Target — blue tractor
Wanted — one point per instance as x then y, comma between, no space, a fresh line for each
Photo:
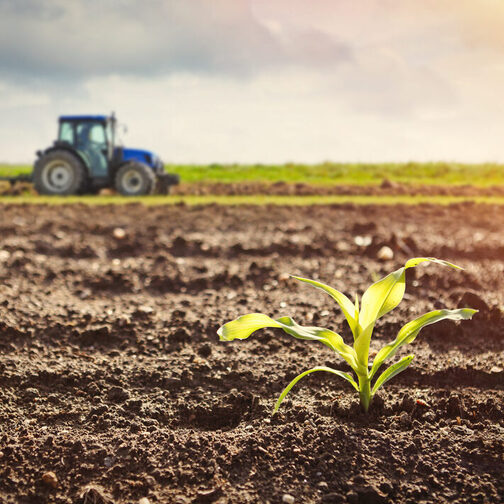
85,158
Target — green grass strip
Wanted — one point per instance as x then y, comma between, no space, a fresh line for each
346,173
482,175
249,200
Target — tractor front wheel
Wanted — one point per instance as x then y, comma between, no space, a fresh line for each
59,173
135,179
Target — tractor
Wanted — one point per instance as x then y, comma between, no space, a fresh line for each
86,158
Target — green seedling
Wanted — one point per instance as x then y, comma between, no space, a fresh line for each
379,299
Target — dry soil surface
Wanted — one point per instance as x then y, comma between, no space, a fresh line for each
386,188
114,386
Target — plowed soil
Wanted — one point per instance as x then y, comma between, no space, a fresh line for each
386,188
114,386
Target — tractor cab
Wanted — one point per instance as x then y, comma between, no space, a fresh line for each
84,158
92,137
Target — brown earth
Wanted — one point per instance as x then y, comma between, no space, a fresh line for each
114,387
386,188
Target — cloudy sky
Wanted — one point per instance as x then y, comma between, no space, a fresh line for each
260,80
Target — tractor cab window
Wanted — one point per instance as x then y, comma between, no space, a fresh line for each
91,134
66,133
97,135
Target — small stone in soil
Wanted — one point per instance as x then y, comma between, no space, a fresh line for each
363,241
145,309
385,254
144,500
288,499
50,479
119,233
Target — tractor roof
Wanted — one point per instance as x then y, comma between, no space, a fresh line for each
101,118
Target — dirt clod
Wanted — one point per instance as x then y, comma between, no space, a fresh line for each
50,479
370,495
473,300
94,495
333,498
118,394
454,408
207,496
352,497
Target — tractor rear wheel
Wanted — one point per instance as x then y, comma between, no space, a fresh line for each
135,179
59,172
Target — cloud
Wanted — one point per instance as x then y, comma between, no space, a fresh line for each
86,38
260,80
14,97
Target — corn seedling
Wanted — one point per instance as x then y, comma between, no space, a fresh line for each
380,298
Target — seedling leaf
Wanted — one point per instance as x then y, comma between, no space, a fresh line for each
410,331
411,263
286,390
385,294
382,297
391,371
244,326
347,307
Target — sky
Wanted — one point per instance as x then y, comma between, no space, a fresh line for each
260,81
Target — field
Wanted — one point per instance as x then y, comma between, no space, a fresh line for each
482,175
325,184
112,376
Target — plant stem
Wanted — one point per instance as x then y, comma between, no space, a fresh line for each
365,392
